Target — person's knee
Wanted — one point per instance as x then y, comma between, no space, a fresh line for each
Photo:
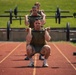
29,49
47,48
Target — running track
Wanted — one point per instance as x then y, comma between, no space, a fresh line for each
61,60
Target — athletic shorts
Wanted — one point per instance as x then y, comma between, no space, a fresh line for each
37,48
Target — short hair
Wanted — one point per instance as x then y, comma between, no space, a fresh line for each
34,7
37,19
37,3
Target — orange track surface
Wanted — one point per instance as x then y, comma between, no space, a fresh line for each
61,60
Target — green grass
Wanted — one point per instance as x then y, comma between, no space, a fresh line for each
73,43
45,5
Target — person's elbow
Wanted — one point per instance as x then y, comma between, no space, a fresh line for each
48,38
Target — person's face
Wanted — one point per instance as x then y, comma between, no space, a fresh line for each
37,25
34,10
38,6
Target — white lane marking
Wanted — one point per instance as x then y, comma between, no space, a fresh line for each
34,70
10,53
65,57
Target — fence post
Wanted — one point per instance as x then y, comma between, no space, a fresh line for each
68,32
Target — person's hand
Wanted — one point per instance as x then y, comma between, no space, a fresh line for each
48,29
28,30
26,20
29,35
26,15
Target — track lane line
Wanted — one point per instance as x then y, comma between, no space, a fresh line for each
34,70
10,53
65,56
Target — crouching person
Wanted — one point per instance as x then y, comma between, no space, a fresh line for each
37,43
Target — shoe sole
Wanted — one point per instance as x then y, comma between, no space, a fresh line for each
30,66
44,66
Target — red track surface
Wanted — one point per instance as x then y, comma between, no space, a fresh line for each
61,60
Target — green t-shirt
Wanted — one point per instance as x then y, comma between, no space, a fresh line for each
38,38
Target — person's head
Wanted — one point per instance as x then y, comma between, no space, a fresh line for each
37,24
34,10
38,5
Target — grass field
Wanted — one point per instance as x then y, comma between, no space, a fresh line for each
45,5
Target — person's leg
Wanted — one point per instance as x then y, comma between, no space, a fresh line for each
26,58
30,53
46,52
41,57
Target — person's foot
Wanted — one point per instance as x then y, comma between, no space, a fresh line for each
45,65
31,64
41,57
26,58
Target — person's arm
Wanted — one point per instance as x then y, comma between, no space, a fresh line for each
47,36
43,18
26,20
29,36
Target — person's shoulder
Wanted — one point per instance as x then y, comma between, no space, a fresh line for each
42,29
30,16
41,10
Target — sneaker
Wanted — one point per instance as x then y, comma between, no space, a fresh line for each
45,65
31,64
41,57
26,58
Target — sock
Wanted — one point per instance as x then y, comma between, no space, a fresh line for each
31,60
45,61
